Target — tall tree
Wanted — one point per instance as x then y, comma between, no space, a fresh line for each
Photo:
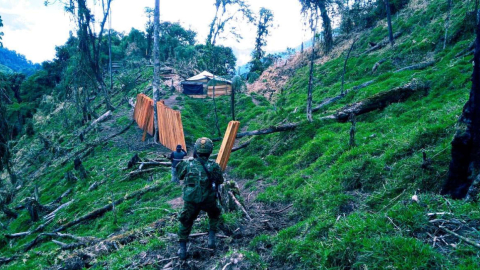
310,78
156,66
227,11
464,172
312,8
389,19
5,154
265,22
90,42
149,12
447,22
237,86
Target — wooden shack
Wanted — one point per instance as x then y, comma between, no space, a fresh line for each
201,85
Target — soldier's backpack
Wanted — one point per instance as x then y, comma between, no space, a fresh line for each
198,185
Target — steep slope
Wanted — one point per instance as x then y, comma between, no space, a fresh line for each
356,203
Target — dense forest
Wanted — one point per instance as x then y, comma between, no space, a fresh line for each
12,61
356,152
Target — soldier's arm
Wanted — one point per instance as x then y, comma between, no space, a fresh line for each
217,174
181,169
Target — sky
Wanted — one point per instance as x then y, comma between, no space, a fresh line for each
33,29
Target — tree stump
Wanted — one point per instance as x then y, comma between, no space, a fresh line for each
79,167
34,208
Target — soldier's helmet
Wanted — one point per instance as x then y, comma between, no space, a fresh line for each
204,146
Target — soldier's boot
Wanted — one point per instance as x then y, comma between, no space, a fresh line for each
211,240
182,252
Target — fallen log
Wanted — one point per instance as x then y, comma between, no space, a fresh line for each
239,205
272,129
467,240
155,163
139,172
332,100
6,260
244,145
363,85
205,234
102,118
17,235
378,101
52,214
383,43
327,102
377,65
375,102
100,211
416,66
27,233
9,213
89,253
95,185
59,199
82,153
469,50
44,236
71,246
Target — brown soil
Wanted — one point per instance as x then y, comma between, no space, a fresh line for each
276,76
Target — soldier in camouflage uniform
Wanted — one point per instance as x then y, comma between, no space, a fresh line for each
200,176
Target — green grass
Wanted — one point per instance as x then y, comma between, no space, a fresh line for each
353,205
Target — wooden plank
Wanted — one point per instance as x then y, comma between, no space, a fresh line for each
227,144
170,127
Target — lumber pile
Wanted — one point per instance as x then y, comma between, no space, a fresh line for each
170,128
227,144
143,113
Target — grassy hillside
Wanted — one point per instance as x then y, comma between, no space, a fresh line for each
352,206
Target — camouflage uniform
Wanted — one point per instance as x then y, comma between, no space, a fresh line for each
198,193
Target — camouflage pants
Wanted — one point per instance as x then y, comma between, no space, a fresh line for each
190,212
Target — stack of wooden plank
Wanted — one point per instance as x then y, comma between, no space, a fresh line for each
170,128
227,144
143,113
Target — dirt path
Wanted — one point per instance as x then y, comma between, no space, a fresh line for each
266,219
172,101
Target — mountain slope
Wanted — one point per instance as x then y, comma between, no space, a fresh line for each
317,202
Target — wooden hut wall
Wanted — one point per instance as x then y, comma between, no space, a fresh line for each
220,90
170,127
143,113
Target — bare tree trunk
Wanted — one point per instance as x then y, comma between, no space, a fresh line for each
215,107
212,25
327,27
389,19
156,66
110,49
447,23
464,171
232,103
310,82
353,129
345,65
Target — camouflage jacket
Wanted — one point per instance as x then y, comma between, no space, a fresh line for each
197,187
